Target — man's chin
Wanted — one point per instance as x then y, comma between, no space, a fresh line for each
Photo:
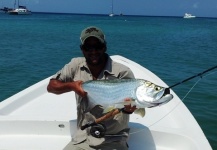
94,62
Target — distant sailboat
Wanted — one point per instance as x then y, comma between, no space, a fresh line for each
111,14
21,10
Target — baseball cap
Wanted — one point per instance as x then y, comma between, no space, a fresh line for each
94,32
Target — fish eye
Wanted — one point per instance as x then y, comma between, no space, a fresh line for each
157,88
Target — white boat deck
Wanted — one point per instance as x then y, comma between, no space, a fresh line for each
36,119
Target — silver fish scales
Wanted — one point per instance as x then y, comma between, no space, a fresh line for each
142,93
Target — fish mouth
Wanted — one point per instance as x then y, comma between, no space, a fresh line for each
166,91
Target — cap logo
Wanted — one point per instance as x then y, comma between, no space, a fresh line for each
91,30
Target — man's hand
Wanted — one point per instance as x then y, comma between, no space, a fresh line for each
78,88
128,108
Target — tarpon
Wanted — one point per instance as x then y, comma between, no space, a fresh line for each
114,93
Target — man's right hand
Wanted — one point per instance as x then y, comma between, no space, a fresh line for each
59,87
78,88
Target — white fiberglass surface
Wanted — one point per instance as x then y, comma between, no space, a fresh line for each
155,140
139,142
43,106
33,142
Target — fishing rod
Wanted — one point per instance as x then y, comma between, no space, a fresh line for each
197,75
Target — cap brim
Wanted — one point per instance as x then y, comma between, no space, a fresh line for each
99,38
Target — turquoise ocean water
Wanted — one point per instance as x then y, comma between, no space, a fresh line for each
35,47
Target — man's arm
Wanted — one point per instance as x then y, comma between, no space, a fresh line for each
58,87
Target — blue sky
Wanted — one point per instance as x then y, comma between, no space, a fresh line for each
200,8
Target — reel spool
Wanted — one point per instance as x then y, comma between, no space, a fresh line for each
98,130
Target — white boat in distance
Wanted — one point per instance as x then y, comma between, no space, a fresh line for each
36,119
188,16
111,14
21,10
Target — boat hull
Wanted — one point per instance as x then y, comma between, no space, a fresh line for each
188,16
36,119
19,12
16,13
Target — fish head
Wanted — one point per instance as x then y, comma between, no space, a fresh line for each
150,94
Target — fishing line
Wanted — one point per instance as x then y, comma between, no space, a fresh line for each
210,73
197,83
183,97
191,89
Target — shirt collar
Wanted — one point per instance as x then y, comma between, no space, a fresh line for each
108,67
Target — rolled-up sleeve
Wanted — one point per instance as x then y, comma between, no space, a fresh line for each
66,74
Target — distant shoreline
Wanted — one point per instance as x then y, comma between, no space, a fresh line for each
117,15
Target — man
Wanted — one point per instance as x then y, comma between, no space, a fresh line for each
95,65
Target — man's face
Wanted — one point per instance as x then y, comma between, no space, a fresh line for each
93,50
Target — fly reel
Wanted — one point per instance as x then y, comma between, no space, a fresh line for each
98,130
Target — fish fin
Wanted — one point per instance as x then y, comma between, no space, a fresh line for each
140,112
108,109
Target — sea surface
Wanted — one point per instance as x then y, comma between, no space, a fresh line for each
36,46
